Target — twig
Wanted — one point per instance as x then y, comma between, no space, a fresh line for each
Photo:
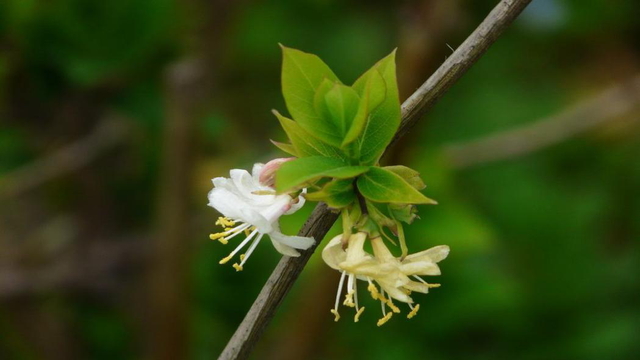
529,138
321,220
106,135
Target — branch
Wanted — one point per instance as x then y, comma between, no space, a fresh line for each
285,274
529,138
107,134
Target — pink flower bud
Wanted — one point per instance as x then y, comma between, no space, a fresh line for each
268,173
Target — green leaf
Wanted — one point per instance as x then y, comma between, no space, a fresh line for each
295,173
342,103
372,96
403,212
305,144
380,185
302,75
337,193
409,175
384,119
288,148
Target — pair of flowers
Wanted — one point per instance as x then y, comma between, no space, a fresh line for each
250,206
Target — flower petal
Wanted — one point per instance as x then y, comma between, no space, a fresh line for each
296,242
435,254
284,249
333,254
420,268
226,202
298,205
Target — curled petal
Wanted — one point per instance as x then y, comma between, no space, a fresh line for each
333,254
435,254
285,249
296,242
297,205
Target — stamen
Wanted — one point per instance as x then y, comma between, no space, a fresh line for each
234,231
426,283
237,267
335,312
348,301
245,257
235,251
357,317
335,308
373,290
385,319
414,311
225,222
392,306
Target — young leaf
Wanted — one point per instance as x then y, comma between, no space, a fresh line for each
371,97
409,175
403,212
297,172
342,103
337,193
384,119
305,144
380,185
288,148
302,75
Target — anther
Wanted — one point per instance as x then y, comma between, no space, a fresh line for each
357,317
335,312
225,260
414,311
385,319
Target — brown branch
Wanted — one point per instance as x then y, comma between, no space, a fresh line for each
589,114
106,135
321,220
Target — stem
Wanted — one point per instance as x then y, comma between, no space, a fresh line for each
283,277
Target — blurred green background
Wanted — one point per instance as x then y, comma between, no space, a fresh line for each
115,115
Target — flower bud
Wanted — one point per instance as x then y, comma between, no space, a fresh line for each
268,173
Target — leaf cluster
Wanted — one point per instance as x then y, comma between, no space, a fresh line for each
338,133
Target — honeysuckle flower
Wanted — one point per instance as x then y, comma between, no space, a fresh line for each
344,261
391,274
423,263
253,208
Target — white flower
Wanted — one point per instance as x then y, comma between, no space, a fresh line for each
253,208
384,269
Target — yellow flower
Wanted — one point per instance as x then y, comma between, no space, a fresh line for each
391,274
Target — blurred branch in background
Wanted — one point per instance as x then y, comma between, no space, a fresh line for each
109,133
283,277
186,91
587,115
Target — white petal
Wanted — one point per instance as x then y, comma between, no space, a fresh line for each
297,242
243,181
226,202
297,206
276,208
284,249
221,182
255,172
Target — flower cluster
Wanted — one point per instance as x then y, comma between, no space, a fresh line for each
337,135
251,207
388,277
